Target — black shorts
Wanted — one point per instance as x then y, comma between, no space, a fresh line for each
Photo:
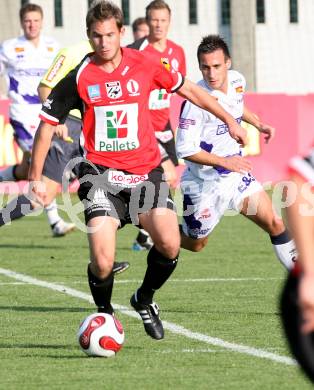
120,194
170,148
61,152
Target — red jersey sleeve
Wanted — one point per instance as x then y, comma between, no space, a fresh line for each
167,80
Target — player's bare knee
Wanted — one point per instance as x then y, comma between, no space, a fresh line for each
276,226
168,244
193,244
102,266
47,201
168,249
198,245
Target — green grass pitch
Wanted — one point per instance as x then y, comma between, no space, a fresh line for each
229,292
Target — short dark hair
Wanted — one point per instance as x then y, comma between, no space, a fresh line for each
138,22
211,43
157,4
104,10
28,7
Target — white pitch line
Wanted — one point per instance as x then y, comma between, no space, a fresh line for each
194,350
200,280
205,280
167,325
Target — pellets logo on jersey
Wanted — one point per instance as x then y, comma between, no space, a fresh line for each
239,89
117,124
57,65
114,90
19,49
163,94
159,99
116,127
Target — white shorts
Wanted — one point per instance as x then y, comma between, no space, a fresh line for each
206,201
24,119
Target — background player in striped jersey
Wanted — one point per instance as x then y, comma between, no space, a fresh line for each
217,177
25,60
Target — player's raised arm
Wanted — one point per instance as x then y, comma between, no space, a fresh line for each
61,130
231,163
41,146
254,120
43,92
201,98
62,99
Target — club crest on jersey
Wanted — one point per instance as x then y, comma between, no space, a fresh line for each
114,90
165,62
93,92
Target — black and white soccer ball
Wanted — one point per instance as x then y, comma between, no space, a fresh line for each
101,334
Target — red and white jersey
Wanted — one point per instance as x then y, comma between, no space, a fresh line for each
117,128
159,101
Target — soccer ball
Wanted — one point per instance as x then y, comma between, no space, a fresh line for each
101,334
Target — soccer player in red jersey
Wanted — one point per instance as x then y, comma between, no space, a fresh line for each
162,50
121,166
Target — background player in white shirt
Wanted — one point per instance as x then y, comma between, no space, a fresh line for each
25,60
217,177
